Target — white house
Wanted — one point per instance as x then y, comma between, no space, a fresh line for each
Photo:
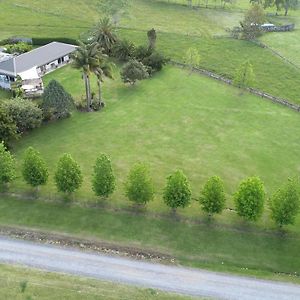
31,66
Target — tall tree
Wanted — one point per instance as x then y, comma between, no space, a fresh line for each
177,192
212,198
104,181
152,39
139,186
34,168
103,69
87,59
68,177
8,128
104,35
249,199
253,19
244,75
7,165
284,204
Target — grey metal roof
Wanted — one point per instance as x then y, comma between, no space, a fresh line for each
35,58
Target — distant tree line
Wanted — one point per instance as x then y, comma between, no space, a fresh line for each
249,199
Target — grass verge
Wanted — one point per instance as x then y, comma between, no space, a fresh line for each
45,286
212,246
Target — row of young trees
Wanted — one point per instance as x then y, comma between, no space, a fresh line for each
249,199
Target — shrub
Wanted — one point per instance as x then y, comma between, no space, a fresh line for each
26,114
18,48
142,52
34,169
139,186
68,177
133,71
8,128
123,50
249,199
104,181
155,61
177,192
212,198
57,103
284,204
7,165
40,41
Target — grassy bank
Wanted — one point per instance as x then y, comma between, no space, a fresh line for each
46,286
242,249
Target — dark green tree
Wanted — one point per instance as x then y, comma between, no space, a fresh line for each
177,192
68,177
104,181
139,186
133,71
7,165
212,198
284,204
151,39
249,199
8,128
57,103
34,169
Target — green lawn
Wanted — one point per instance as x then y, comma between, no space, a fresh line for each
242,249
173,120
179,29
51,286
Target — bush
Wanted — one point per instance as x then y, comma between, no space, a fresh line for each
104,181
142,52
139,186
284,204
68,177
177,192
155,61
18,48
57,103
212,198
26,114
34,169
41,41
8,128
123,50
249,199
7,165
133,71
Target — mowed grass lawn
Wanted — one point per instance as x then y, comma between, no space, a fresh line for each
47,286
179,28
172,121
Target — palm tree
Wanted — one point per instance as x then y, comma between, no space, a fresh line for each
104,69
87,58
104,35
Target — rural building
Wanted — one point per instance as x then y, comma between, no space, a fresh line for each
31,66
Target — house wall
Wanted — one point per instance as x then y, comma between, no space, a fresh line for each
5,82
53,65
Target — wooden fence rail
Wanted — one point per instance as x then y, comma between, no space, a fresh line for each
250,90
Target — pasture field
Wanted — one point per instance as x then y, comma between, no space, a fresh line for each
45,286
179,28
174,120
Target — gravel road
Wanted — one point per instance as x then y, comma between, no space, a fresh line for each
144,274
